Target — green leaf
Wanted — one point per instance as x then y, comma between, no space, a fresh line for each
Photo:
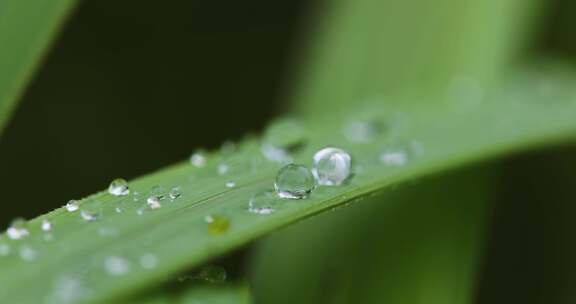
521,116
229,293
416,244
26,29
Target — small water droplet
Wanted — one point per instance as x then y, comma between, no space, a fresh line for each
116,266
223,168
136,196
17,229
174,193
263,202
230,184
294,182
72,206
119,187
67,290
360,131
275,154
28,254
119,209
140,211
154,202
213,274
4,249
148,261
46,225
393,157
198,159
89,214
332,166
217,224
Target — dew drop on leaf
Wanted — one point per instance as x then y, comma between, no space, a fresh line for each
119,187
174,193
332,166
198,159
28,253
72,206
294,182
46,225
17,229
154,202
116,266
263,202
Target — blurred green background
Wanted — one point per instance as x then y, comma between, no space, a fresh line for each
117,56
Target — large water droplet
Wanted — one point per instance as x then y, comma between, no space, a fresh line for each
332,166
294,182
116,266
72,206
198,159
217,224
213,274
17,229
119,187
263,202
46,225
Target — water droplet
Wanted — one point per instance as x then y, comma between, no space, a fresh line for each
217,224
67,290
263,202
136,196
119,187
140,211
119,209
17,229
28,254
275,154
46,225
72,206
394,157
223,168
4,249
285,133
294,182
154,202
89,214
213,274
332,166
360,131
198,159
174,193
230,184
116,266
148,261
